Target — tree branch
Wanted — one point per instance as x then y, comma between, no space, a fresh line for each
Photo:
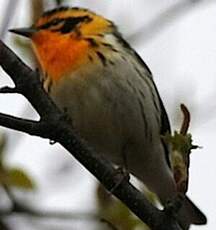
24,125
54,125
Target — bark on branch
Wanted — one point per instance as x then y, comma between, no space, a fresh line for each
55,126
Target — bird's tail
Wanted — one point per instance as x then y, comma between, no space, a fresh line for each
190,214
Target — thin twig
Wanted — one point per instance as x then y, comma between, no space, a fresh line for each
186,120
7,89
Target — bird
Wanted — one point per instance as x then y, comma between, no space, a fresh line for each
93,75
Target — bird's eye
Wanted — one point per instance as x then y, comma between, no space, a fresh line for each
55,21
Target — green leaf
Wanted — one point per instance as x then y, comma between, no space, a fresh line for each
117,213
20,179
181,143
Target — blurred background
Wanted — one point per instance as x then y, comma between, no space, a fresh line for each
176,38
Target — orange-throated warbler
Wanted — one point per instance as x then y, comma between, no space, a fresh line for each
90,71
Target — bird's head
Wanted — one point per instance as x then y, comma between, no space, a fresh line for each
64,38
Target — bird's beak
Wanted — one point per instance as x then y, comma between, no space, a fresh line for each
26,32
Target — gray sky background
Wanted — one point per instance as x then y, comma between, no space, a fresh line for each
180,50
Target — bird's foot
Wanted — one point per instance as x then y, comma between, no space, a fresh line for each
122,175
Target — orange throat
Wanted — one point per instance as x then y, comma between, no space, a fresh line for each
59,54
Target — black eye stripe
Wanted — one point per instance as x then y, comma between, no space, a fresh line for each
71,23
68,24
48,25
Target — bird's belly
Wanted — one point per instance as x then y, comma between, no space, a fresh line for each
112,117
104,113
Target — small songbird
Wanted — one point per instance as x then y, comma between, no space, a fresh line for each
108,91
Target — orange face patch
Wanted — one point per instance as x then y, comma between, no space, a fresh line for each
59,54
63,41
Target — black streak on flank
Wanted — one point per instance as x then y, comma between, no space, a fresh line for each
109,46
102,58
90,58
142,109
128,47
111,62
92,42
